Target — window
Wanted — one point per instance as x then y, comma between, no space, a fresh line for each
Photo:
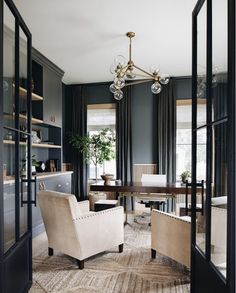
184,138
100,116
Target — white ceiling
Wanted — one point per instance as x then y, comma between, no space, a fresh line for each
83,37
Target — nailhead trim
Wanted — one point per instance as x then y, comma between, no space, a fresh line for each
171,216
111,210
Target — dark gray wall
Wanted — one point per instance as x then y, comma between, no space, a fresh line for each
144,124
144,118
98,94
183,88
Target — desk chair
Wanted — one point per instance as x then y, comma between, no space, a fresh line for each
155,199
184,208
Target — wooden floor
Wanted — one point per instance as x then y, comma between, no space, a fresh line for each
132,271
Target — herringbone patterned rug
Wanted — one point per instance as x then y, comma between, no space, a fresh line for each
132,271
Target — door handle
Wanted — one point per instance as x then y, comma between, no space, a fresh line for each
22,191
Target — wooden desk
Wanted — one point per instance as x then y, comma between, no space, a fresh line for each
145,190
139,187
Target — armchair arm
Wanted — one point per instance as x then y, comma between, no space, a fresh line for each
100,231
83,206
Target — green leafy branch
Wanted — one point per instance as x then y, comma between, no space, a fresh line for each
96,148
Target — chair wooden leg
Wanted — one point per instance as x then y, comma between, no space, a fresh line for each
153,253
121,248
50,251
80,264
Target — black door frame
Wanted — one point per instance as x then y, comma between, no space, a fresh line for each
201,267
9,259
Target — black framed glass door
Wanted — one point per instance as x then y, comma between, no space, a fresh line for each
212,253
15,167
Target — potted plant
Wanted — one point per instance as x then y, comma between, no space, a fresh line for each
96,148
34,164
185,176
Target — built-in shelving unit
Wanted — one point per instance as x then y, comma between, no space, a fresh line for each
35,97
24,118
36,145
23,94
34,120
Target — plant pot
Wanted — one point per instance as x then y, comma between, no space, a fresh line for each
33,170
107,178
184,179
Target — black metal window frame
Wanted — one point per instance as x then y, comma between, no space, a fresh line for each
230,120
19,24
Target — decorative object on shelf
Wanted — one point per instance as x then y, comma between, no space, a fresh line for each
67,167
36,136
41,167
23,136
9,136
96,148
107,178
4,171
124,70
185,176
34,164
53,165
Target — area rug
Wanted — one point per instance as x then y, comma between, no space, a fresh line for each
132,271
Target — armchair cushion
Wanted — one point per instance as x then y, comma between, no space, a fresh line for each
83,207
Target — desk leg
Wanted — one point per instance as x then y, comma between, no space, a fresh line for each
132,201
126,210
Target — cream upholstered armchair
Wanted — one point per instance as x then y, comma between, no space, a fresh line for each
171,236
75,231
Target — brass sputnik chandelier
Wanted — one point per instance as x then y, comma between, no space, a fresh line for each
127,71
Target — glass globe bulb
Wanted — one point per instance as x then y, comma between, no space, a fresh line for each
156,88
119,82
165,78
120,61
118,95
130,74
112,88
113,68
154,69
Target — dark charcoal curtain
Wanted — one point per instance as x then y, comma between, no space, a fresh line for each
124,137
219,94
166,128
78,116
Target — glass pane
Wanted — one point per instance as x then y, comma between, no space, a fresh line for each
8,72
9,194
23,82
219,57
9,136
23,127
100,117
201,175
219,198
201,67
